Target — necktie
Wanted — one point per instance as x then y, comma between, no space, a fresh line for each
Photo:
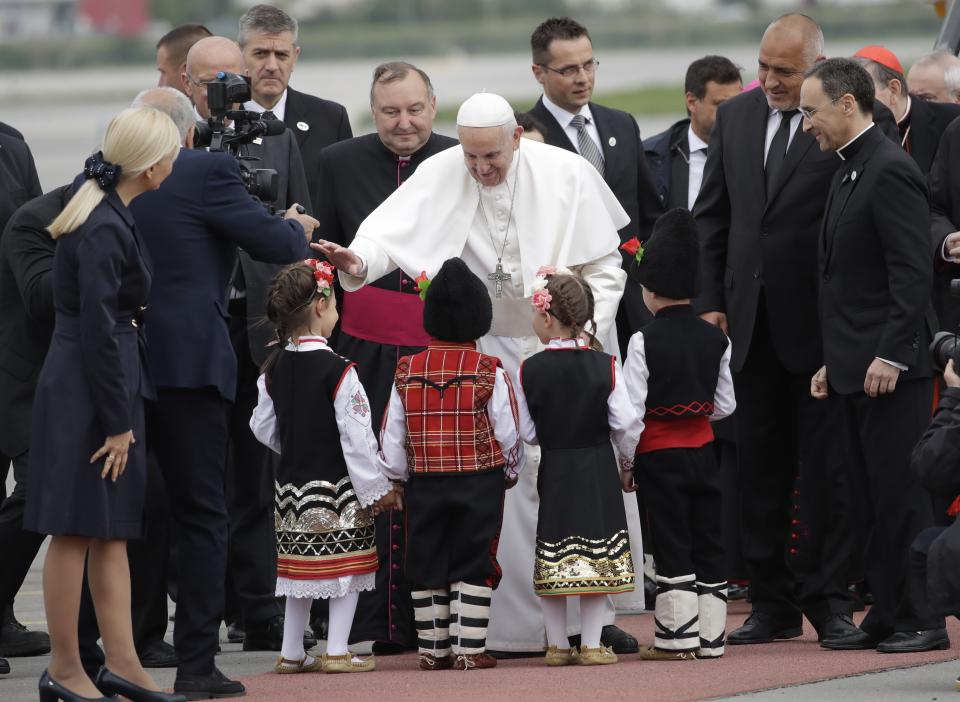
778,147
588,149
268,114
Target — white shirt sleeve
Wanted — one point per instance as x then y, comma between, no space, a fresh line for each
359,444
724,402
607,280
636,375
375,263
393,436
503,413
528,430
625,425
263,421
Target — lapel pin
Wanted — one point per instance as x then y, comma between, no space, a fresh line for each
612,141
303,126
853,175
258,141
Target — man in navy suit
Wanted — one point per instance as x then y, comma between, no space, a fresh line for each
193,226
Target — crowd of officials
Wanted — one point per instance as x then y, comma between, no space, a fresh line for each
827,203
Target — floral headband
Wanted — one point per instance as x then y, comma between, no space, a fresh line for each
541,297
323,274
633,248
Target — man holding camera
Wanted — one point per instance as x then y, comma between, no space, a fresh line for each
193,226
874,291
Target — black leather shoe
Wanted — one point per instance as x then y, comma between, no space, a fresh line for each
762,627
4,666
620,641
736,592
111,684
159,654
836,626
16,640
264,637
915,641
214,685
857,640
235,633
52,691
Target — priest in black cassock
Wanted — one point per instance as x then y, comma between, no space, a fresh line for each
384,320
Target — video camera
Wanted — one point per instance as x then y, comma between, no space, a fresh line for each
946,345
226,90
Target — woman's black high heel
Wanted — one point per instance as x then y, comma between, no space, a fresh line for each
51,691
112,684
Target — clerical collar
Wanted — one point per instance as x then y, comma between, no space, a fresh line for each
279,110
563,116
853,146
906,114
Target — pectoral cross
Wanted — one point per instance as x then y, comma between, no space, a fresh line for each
499,276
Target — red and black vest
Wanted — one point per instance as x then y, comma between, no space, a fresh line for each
445,391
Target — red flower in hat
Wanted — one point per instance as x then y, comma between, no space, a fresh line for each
633,247
422,282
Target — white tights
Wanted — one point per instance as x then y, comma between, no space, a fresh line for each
592,610
297,614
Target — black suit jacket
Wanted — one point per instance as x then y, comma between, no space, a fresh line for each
627,174
751,242
944,183
193,225
927,122
282,154
18,176
26,312
875,274
326,123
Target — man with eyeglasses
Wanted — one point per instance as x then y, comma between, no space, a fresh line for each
565,66
874,282
759,211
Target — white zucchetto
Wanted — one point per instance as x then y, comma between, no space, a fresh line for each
484,110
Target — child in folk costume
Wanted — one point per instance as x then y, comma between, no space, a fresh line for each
572,403
451,432
678,374
313,411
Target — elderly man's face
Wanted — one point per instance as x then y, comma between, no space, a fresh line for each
927,83
403,113
203,71
488,152
270,59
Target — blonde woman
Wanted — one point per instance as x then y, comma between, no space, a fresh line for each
87,467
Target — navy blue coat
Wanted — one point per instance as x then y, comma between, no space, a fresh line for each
93,383
193,225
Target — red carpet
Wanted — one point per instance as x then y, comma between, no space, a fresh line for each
742,669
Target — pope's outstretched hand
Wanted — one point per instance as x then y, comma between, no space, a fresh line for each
341,257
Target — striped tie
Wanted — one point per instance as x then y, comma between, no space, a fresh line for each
588,149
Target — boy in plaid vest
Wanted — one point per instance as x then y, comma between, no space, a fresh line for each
451,432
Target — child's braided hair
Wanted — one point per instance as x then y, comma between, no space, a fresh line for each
572,304
288,305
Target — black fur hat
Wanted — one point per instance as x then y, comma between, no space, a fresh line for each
457,306
670,265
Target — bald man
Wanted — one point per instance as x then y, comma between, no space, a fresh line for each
759,210
252,609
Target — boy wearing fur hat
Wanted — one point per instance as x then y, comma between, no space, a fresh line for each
677,373
451,432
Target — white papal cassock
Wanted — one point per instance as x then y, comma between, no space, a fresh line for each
563,215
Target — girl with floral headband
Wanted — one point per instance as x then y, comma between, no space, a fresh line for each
572,403
314,412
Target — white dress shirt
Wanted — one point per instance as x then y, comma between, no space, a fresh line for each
564,119
698,159
279,110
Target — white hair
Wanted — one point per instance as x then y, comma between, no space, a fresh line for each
172,103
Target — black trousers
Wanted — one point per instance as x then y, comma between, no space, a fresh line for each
19,547
252,560
190,433
879,436
684,507
795,537
453,529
